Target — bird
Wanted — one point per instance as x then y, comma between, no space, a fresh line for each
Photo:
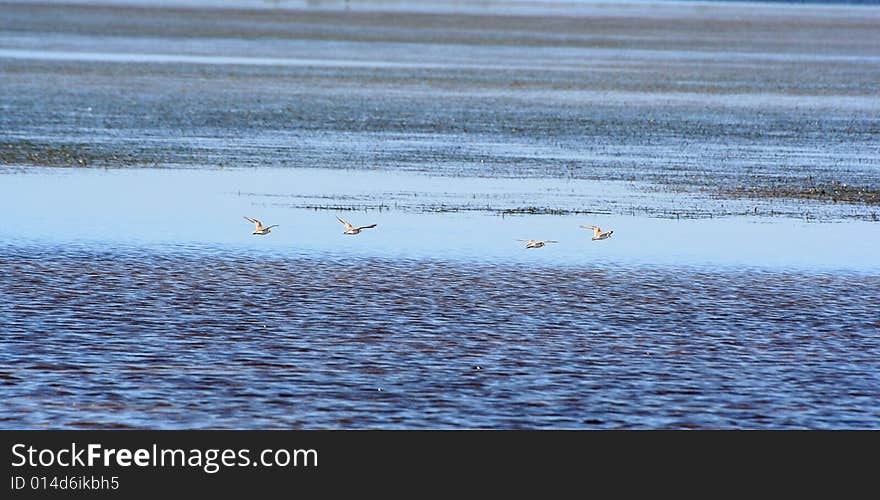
537,243
349,229
259,229
599,234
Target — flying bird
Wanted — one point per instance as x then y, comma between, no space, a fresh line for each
599,234
537,243
259,229
349,229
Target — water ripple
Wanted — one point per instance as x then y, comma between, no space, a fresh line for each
120,337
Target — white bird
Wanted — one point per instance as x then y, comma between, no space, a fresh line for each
599,234
259,229
537,243
349,229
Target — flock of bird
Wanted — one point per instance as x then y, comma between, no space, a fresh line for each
260,229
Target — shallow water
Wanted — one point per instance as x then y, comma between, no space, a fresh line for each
139,298
693,98
133,294
418,216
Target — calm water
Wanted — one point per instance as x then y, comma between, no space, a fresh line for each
133,294
418,216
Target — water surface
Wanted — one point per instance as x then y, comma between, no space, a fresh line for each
135,137
214,338
418,216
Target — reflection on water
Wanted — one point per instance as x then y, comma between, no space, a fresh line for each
418,216
205,337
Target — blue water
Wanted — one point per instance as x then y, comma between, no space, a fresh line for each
133,294
418,216
202,337
139,298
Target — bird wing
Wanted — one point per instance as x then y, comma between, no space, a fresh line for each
344,222
366,227
256,223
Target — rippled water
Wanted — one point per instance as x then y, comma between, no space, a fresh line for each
134,138
208,337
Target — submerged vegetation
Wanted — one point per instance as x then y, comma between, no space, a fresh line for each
833,192
55,154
